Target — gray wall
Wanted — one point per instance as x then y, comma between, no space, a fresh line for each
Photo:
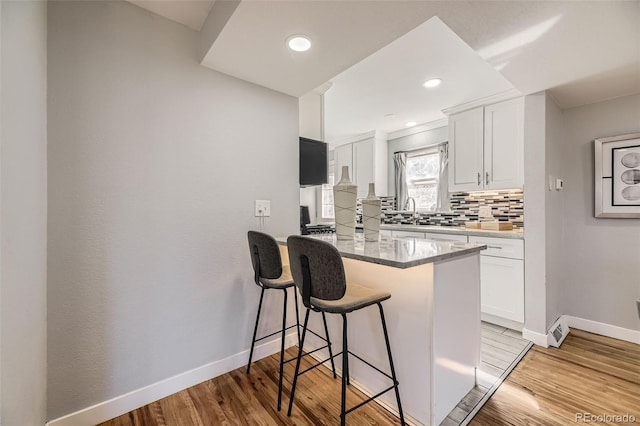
535,216
407,143
23,213
601,257
154,166
554,210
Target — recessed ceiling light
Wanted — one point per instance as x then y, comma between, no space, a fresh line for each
434,82
410,123
299,43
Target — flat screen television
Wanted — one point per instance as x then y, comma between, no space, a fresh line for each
313,162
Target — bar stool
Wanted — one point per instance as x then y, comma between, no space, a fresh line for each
318,271
269,273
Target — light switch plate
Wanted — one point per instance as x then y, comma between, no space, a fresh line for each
263,208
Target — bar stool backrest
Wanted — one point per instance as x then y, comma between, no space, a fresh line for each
317,269
265,256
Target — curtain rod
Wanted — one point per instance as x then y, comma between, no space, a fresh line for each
424,147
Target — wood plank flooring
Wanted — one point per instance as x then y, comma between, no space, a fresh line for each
589,373
499,350
236,398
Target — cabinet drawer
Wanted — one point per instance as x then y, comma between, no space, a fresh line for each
500,247
404,234
445,237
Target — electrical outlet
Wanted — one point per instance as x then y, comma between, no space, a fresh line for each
263,208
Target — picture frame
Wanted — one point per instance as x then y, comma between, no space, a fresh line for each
617,176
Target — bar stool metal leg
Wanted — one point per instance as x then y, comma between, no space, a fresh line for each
345,370
326,333
284,329
295,294
393,370
295,376
255,330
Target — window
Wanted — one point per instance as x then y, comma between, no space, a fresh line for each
327,192
423,173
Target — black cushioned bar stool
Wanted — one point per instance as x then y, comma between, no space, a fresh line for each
318,272
269,273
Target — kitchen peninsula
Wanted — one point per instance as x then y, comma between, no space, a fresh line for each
433,318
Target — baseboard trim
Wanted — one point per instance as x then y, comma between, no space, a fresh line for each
122,404
537,338
608,330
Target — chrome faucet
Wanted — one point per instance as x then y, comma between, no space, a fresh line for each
414,219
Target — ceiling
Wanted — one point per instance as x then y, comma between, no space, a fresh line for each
385,89
191,13
582,52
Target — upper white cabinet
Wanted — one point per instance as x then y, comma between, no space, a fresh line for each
466,163
487,147
367,162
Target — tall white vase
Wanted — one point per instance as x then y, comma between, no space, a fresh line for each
371,215
344,202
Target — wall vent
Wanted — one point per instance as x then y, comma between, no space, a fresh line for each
558,331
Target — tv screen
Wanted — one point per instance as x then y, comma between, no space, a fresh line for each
313,162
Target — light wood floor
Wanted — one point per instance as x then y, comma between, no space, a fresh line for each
589,373
500,348
236,398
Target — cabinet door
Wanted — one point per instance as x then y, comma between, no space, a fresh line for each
407,234
363,160
465,151
343,156
502,287
504,145
446,237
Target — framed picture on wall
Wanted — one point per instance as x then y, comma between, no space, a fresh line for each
617,176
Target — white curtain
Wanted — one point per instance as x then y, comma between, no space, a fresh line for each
443,181
400,161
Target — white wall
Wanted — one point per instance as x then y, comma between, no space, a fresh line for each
407,143
535,218
23,213
154,166
554,210
601,257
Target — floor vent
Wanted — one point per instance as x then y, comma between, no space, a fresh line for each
558,332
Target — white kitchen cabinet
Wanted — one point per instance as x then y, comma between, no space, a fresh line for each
367,162
487,147
466,150
504,145
502,279
445,237
404,234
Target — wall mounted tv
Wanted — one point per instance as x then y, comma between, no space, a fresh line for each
313,162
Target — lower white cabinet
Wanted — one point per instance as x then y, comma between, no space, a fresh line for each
445,237
502,287
502,278
411,234
501,274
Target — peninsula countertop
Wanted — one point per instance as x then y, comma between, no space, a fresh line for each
455,230
397,252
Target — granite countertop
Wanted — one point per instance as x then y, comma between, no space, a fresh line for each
397,252
455,230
